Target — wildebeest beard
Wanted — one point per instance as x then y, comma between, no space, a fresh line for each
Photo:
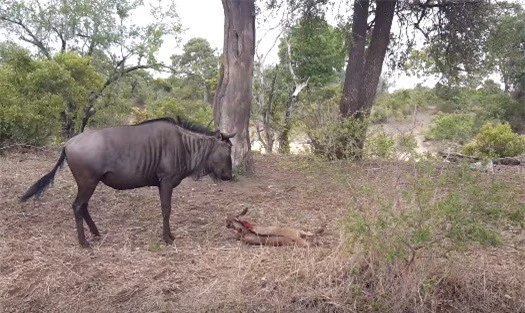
203,171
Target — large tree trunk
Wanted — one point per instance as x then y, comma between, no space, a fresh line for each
232,103
364,68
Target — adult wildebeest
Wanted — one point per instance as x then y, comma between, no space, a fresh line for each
159,152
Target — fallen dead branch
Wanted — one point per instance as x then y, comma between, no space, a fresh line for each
454,157
269,235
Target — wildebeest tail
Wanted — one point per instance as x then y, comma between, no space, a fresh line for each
40,186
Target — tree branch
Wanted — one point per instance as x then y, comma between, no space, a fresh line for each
113,78
34,39
289,52
62,40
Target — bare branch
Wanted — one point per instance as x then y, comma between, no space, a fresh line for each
271,47
34,39
62,39
300,87
289,52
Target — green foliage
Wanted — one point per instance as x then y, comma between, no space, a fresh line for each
467,109
488,102
317,51
402,103
198,62
341,139
379,145
114,48
91,28
496,140
406,145
34,93
456,43
456,127
200,113
505,46
435,211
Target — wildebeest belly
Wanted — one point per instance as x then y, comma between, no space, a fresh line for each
123,181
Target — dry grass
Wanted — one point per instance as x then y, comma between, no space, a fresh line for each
129,269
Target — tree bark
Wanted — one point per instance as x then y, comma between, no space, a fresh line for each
365,65
232,102
376,52
284,140
350,101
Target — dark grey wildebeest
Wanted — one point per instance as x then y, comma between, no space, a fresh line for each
159,152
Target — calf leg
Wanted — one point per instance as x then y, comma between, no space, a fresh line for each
79,208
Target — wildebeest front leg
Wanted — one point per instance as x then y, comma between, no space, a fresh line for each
166,191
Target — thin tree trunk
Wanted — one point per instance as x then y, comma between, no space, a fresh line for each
376,52
267,137
350,101
68,124
232,103
284,140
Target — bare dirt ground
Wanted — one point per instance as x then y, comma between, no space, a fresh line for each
130,269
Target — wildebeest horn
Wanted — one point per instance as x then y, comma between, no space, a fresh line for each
226,135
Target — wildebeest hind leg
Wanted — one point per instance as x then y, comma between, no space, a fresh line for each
84,193
89,221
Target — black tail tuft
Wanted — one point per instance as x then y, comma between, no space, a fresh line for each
38,188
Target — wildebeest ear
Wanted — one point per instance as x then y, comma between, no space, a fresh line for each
217,134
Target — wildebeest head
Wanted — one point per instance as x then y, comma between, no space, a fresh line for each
220,161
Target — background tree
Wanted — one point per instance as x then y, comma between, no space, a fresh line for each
99,30
313,52
454,32
271,94
232,102
506,47
33,93
199,62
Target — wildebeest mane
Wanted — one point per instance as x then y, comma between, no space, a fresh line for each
182,122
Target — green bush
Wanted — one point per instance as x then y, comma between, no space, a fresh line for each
455,127
402,103
197,111
406,146
381,113
435,211
379,144
496,140
488,103
339,139
34,94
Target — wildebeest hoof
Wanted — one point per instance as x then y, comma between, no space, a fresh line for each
85,245
168,239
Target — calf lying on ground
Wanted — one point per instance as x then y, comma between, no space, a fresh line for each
268,235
